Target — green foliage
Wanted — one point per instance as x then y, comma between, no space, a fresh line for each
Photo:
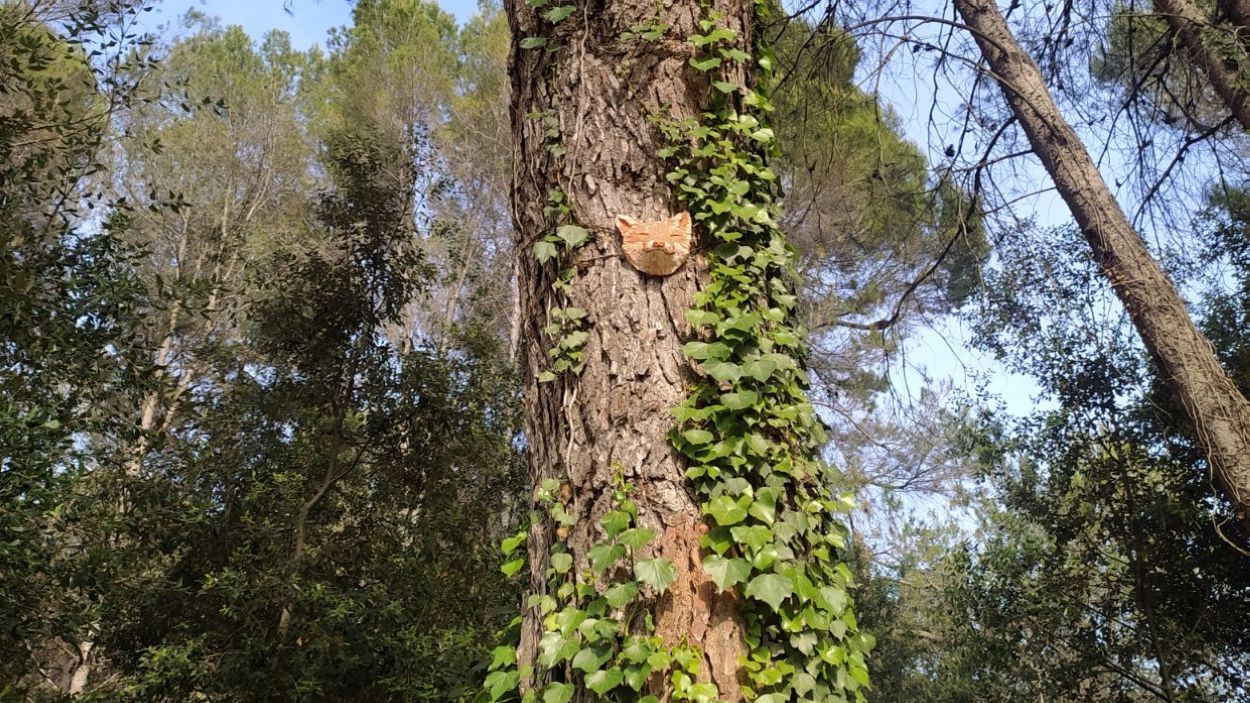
598,632
69,300
877,237
748,430
239,465
568,323
1099,571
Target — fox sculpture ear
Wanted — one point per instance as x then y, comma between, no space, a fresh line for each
624,223
683,221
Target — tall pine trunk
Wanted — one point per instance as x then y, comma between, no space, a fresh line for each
1199,36
1237,12
1218,413
585,139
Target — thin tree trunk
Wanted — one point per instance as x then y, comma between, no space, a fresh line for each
1218,412
1237,12
1193,27
603,93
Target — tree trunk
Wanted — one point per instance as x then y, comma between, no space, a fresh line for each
1193,27
1218,412
1237,12
600,92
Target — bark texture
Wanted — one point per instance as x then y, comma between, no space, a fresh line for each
604,92
1193,27
1237,12
1215,408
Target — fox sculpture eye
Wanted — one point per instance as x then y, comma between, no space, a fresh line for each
658,248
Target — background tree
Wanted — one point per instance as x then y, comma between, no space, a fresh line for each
1218,412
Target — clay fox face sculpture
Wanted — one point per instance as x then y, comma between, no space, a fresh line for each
658,248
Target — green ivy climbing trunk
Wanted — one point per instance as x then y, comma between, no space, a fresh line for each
586,90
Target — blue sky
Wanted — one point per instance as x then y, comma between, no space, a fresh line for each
307,21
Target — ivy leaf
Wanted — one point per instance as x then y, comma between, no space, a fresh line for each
636,676
572,235
699,318
685,413
726,572
502,656
614,521
510,545
605,680
533,42
544,250
765,505
637,537
697,437
717,539
758,444
763,135
513,566
557,692
723,371
739,400
703,350
770,588
622,594
556,648
636,651
562,562
657,573
726,510
604,555
560,13
703,692
500,682
725,86
574,340
569,619
760,369
833,598
753,536
591,658
705,65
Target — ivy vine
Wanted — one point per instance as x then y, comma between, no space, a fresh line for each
567,324
748,429
598,633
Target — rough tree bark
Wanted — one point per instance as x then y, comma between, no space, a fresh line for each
603,92
1192,26
1215,408
1237,12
